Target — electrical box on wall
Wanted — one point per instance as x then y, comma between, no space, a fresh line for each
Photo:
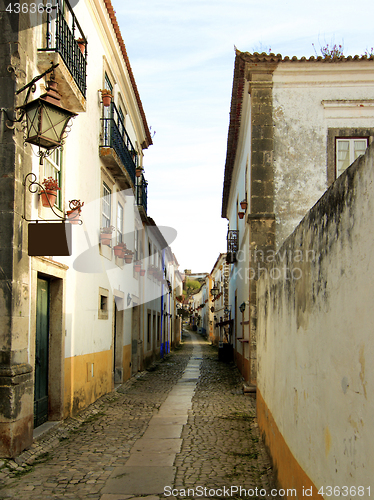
52,238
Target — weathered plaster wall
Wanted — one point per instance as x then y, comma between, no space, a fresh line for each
314,341
308,99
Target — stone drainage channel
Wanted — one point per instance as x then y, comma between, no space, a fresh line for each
150,465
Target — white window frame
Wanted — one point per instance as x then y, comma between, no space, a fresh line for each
120,218
106,206
52,168
353,155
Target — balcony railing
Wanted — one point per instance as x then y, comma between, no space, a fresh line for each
141,193
116,137
232,245
61,36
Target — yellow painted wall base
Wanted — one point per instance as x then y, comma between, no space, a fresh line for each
288,472
126,362
87,377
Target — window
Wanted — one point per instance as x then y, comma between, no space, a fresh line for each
52,168
103,303
119,223
347,151
106,206
149,325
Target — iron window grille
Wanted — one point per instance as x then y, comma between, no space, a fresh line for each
141,192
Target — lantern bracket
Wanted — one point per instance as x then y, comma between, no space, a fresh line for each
34,187
32,87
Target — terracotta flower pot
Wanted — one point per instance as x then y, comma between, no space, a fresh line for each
137,268
48,195
73,216
142,272
241,215
244,205
138,172
105,238
119,251
107,99
128,259
81,45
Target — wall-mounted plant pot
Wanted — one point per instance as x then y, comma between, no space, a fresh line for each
48,195
119,251
82,45
128,259
241,215
138,172
137,268
244,204
150,271
106,238
107,99
142,272
73,216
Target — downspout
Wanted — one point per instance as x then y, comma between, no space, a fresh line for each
162,351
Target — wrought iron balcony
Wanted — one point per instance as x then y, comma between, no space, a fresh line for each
232,245
141,195
116,138
62,35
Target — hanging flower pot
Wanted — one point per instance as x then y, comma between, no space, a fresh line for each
241,215
119,250
106,235
137,267
142,272
128,258
48,198
75,210
244,204
138,172
81,44
106,97
73,216
49,195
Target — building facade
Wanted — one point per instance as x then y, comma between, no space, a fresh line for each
295,125
73,326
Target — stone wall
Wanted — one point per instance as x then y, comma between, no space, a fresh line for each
314,341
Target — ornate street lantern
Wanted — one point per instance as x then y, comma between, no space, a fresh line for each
242,307
214,291
46,119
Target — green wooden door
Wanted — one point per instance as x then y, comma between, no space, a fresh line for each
41,353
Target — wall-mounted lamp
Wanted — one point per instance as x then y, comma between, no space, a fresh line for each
242,307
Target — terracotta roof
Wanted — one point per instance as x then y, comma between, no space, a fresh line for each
237,99
264,57
117,31
234,127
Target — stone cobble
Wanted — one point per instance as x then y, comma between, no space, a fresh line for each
221,445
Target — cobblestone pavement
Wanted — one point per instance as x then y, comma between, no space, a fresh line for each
220,448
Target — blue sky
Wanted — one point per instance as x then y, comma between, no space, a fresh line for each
182,56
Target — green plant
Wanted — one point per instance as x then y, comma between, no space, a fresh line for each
107,230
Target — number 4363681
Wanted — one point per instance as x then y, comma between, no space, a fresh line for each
32,8
344,491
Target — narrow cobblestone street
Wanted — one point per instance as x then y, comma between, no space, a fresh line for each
182,424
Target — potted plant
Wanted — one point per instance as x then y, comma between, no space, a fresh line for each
128,256
244,204
241,215
81,44
75,211
106,235
106,97
142,272
151,270
120,249
137,266
49,194
138,171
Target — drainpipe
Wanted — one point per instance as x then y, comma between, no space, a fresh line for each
162,347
